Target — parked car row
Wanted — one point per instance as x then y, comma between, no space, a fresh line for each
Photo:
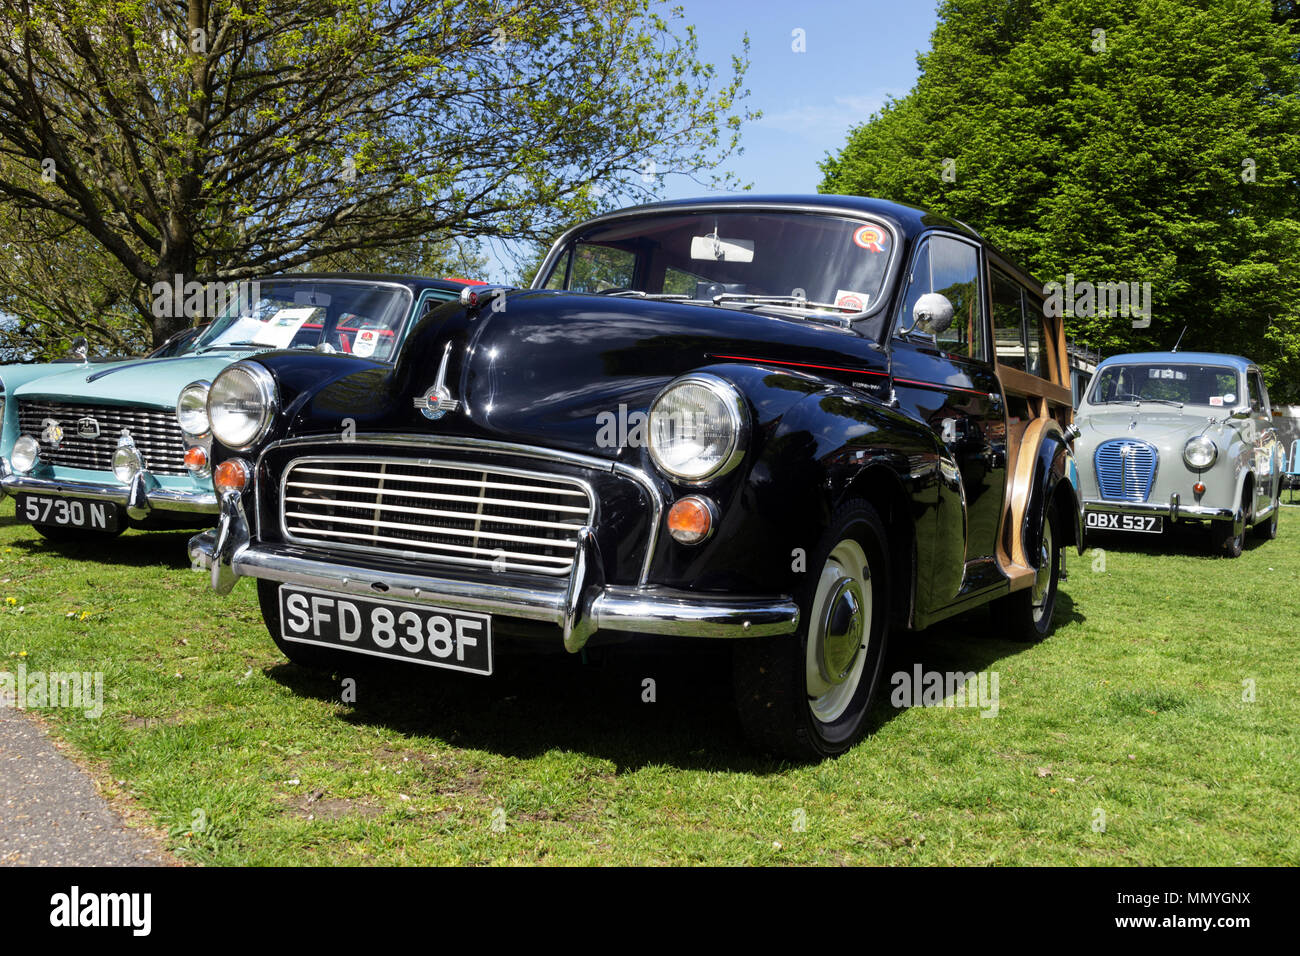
801,425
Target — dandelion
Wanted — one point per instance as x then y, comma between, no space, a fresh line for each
11,602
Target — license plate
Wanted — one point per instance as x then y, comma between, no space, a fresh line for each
416,633
1112,521
68,512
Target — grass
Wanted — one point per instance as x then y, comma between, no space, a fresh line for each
1133,710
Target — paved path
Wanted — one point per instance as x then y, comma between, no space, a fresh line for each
50,812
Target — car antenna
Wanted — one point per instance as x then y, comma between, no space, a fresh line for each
1180,339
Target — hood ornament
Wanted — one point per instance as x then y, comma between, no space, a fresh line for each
437,401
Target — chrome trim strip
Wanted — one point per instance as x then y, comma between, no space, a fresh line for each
160,499
656,611
1145,507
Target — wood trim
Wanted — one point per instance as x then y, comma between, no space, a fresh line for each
1022,383
1020,473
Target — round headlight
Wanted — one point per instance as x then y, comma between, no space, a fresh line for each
697,428
26,453
1200,452
192,409
241,403
127,463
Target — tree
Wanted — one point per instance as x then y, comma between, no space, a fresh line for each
224,139
1115,140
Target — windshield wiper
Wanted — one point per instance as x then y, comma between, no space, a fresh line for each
231,345
648,295
780,300
1162,401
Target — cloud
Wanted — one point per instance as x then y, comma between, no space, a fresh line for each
822,117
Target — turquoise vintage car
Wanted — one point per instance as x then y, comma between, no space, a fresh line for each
91,449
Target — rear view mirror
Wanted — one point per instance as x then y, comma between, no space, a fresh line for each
932,314
713,249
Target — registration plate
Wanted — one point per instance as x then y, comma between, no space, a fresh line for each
416,633
68,512
1112,521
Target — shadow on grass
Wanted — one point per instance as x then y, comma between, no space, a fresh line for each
137,549
1181,540
595,704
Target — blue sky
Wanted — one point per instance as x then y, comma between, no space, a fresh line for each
858,53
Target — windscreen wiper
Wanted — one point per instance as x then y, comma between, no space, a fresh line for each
780,300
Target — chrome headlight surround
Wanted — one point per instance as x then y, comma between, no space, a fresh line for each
1200,453
192,410
25,455
698,403
241,404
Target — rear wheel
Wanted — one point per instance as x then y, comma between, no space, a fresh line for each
304,655
807,696
1026,615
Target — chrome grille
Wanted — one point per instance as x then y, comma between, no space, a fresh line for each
1126,469
156,433
444,512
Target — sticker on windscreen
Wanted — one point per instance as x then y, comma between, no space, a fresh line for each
281,328
1216,399
871,238
1229,399
848,299
364,346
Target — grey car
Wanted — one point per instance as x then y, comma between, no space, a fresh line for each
1174,437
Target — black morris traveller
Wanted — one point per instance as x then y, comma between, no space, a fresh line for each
798,424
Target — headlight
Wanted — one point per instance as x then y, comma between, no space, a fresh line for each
698,428
127,463
192,409
241,403
26,453
1200,452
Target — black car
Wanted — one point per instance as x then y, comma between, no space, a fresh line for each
799,424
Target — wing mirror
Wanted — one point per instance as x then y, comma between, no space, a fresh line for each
80,349
932,314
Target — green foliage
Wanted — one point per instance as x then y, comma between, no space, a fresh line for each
1115,140
222,139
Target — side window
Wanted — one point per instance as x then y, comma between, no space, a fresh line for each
1036,364
1258,397
597,268
1008,322
556,281
950,267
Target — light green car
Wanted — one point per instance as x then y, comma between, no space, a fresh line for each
1176,437
90,449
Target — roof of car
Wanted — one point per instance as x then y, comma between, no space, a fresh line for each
912,219
1186,358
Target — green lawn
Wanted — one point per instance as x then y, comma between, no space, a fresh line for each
1134,709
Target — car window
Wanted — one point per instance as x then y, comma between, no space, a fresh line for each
1034,341
602,268
949,267
1008,322
1187,384
1258,397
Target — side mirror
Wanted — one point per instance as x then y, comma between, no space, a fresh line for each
932,313
80,349
1241,413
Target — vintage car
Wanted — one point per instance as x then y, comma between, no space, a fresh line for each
795,423
1180,437
91,449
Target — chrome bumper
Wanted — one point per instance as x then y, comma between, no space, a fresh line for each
140,497
1173,508
580,608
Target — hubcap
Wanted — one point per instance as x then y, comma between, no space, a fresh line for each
839,631
1043,577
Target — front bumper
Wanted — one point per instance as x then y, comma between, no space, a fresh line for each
142,496
582,606
1173,508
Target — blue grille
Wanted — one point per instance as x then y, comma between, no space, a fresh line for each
1125,469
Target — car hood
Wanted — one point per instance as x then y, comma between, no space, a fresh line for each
1159,424
155,383
552,368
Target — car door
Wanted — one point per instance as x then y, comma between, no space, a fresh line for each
948,381
1264,441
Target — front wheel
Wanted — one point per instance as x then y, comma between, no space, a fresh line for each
806,696
1026,615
